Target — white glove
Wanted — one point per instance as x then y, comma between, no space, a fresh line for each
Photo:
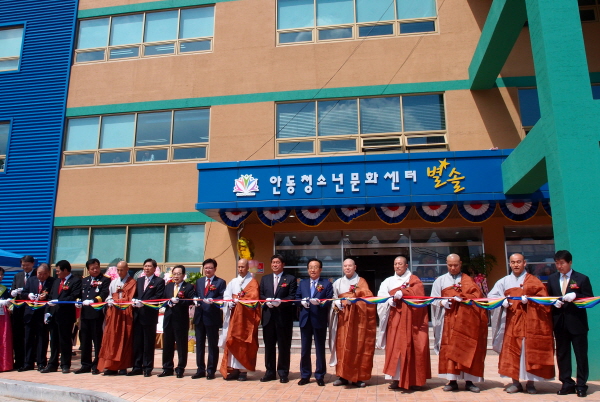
110,302
78,304
398,295
569,297
87,302
305,303
52,302
457,298
446,303
3,303
524,299
174,300
558,304
391,302
14,292
208,301
196,301
136,303
314,302
47,318
32,296
339,304
276,302
235,301
505,303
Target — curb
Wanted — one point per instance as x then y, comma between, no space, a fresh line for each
33,391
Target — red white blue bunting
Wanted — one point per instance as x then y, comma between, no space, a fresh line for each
547,208
350,213
312,216
476,211
234,219
434,213
519,210
392,213
271,216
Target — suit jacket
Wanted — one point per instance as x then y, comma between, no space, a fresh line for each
286,290
155,290
98,293
317,315
209,314
71,291
19,279
570,317
32,286
178,314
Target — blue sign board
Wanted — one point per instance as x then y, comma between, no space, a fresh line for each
363,180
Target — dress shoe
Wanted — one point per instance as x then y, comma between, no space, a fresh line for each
234,375
83,370
198,375
360,384
415,388
566,391
243,377
148,373
165,373
66,370
321,383
394,385
210,376
304,381
340,381
469,386
25,368
530,388
95,371
267,378
179,374
49,369
451,386
122,372
581,393
284,380
110,372
135,371
514,388
40,368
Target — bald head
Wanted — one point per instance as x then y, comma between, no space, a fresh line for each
122,269
517,263
454,264
242,267
349,267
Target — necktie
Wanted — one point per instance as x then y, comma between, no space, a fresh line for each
60,287
26,277
275,283
312,288
175,290
207,286
40,286
146,283
564,284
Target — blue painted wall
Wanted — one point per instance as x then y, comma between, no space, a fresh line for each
34,100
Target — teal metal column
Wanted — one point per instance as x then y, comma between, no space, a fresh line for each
564,146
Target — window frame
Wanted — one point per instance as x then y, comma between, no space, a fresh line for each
170,147
355,26
593,7
9,122
15,25
360,137
141,46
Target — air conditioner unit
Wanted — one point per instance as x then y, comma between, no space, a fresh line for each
381,144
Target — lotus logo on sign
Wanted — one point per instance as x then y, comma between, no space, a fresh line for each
245,186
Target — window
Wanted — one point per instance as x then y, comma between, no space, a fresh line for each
147,34
11,43
137,138
325,20
170,244
4,131
408,123
536,244
589,10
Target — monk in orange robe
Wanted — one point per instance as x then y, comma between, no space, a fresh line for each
116,353
240,327
527,328
352,329
403,330
460,330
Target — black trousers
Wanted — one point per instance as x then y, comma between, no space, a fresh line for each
564,341
61,343
37,336
18,333
174,335
281,336
144,342
212,333
90,334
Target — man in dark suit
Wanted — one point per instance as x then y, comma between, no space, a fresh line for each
176,323
314,320
17,323
94,290
208,319
570,323
277,319
37,334
149,287
61,317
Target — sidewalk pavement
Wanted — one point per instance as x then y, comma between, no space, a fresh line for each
99,388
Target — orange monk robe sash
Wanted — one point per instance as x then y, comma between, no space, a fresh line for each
116,352
242,337
464,336
356,333
532,321
407,337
